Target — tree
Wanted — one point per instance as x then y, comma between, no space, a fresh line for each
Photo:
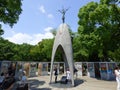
12,51
22,52
99,30
43,50
79,52
6,49
9,12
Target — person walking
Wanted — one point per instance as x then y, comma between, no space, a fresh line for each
117,74
75,72
56,74
68,75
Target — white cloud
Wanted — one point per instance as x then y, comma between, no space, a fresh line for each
50,16
48,29
42,9
20,38
33,39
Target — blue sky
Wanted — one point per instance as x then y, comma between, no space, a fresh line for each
40,16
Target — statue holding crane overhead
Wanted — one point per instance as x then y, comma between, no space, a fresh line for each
63,11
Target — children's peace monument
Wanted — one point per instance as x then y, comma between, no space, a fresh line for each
64,43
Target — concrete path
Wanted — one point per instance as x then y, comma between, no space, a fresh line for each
82,83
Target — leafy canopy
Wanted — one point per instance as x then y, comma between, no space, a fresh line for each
9,12
99,31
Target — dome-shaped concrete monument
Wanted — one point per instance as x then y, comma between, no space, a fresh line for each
64,43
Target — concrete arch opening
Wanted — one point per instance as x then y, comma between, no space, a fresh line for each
63,55
64,43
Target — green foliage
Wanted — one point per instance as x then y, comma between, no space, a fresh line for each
115,55
25,52
9,12
80,53
6,51
99,31
43,50
22,52
11,51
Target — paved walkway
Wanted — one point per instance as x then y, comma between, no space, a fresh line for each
83,83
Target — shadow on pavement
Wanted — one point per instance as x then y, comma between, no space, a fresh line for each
34,84
68,85
78,82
